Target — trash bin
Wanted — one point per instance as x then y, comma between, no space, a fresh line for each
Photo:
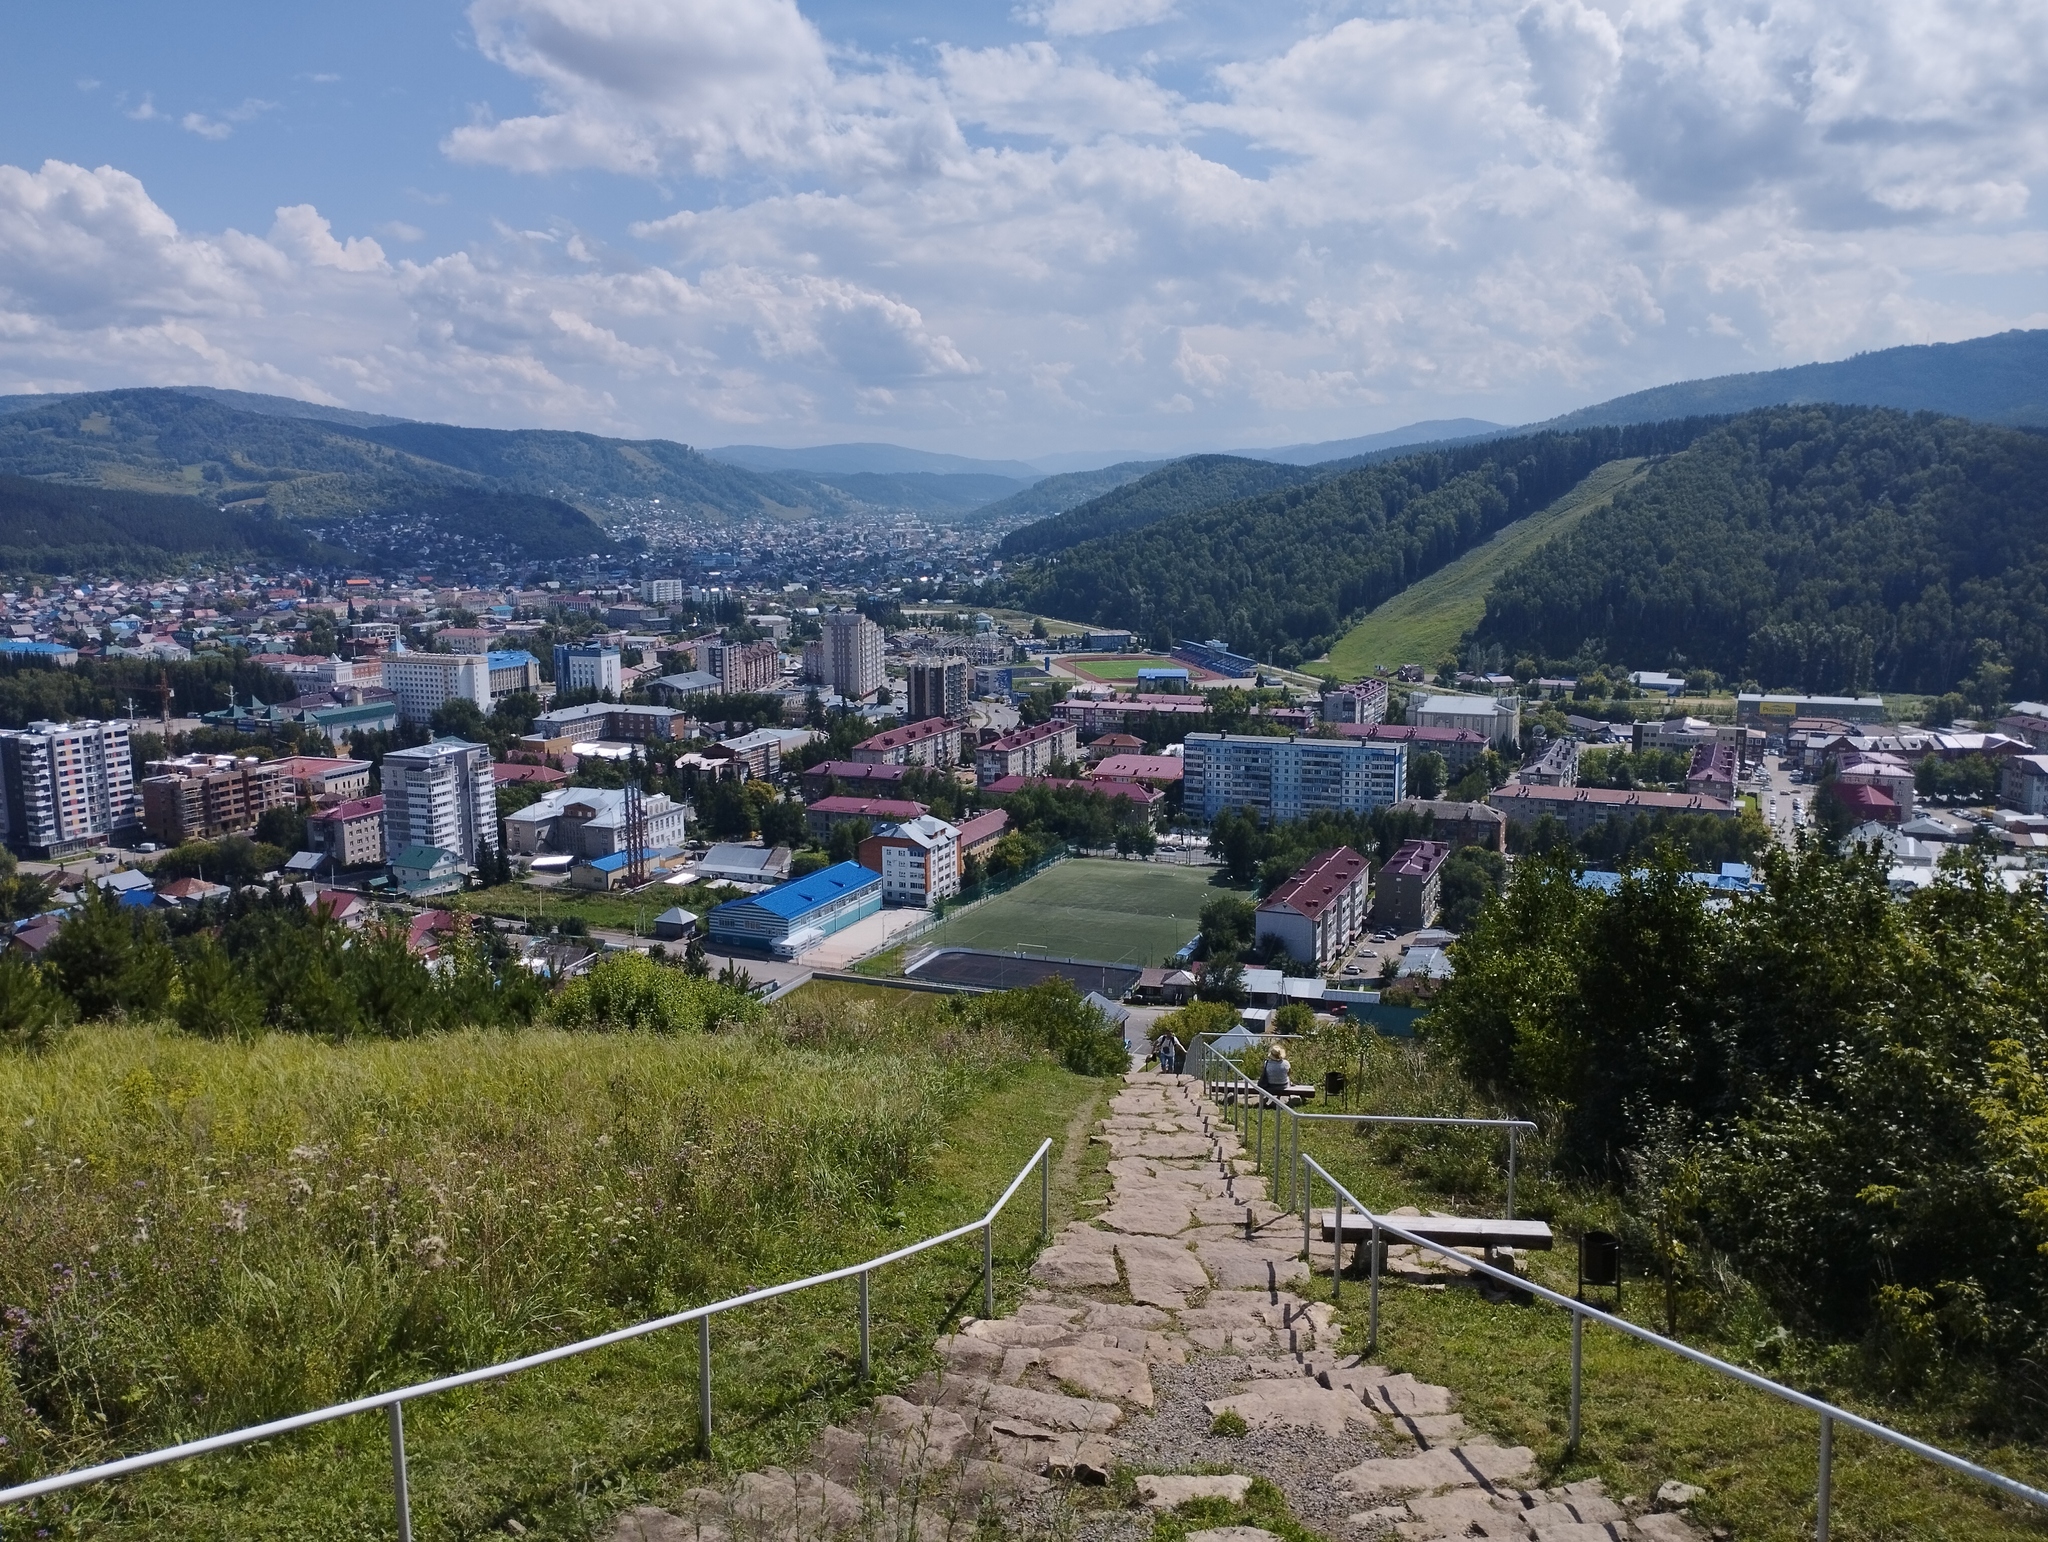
1600,1263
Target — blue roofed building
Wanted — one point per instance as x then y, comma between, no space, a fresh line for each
800,914
515,670
63,655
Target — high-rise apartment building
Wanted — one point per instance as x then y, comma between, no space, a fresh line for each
65,786
851,658
741,667
424,683
1291,778
663,591
938,688
588,668
440,795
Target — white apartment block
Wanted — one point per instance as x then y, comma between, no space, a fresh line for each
919,861
588,668
65,786
850,660
424,683
663,591
441,795
1293,777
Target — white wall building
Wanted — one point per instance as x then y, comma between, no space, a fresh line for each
919,860
65,786
424,683
441,795
1493,719
1293,777
587,668
850,660
590,822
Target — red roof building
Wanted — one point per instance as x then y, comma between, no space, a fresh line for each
1411,885
1458,746
1318,913
933,742
979,834
1581,808
827,814
1154,770
505,772
1131,792
1865,803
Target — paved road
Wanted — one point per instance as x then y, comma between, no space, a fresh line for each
1787,805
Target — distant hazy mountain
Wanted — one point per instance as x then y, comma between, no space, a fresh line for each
291,407
2000,379
1058,493
944,496
1434,431
882,459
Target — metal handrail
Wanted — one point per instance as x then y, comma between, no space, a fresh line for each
394,1400
1830,1415
1516,1128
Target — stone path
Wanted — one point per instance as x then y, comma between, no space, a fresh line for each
1171,1311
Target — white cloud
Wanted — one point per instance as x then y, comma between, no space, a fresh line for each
1091,18
1309,230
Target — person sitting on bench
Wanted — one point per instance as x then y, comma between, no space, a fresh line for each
1276,1075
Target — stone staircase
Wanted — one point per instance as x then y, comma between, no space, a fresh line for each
1145,1331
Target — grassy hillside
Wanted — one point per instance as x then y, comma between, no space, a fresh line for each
1424,621
205,1233
1826,549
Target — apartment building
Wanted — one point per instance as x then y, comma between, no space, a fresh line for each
1362,702
512,669
742,667
1580,808
1291,778
933,742
350,834
424,683
1495,719
441,795
591,822
580,667
65,786
663,591
1318,912
849,655
202,797
919,860
1411,886
1027,752
938,688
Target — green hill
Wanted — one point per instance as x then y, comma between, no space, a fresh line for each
1281,576
312,468
1822,548
1056,494
1179,487
50,528
1425,621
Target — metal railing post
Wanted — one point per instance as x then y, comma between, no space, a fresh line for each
1372,1316
1513,1142
988,1270
704,1386
1307,1194
1337,1251
1259,1140
401,1490
1045,1195
1578,1332
866,1364
1827,1476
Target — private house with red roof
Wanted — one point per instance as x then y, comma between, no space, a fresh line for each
1319,912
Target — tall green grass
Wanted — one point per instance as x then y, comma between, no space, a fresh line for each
196,1235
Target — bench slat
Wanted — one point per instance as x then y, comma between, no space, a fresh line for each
1458,1231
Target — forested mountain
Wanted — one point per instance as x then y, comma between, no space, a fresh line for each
1056,494
1178,487
50,528
1821,548
1433,431
2001,379
941,495
870,458
302,467
1277,576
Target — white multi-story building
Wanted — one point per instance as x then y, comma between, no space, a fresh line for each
850,660
919,860
65,786
1320,911
591,822
1293,777
1494,719
441,795
588,668
663,591
424,683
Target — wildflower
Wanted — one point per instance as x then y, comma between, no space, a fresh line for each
234,1216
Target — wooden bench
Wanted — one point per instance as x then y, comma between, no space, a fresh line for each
1452,1231
1230,1091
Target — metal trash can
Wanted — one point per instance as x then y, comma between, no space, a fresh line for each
1600,1263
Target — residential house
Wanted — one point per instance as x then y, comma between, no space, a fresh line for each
1026,752
1411,886
919,860
932,742
1318,912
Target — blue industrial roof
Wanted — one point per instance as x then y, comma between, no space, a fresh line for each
511,659
617,861
24,645
802,895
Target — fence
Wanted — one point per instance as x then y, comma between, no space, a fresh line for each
1303,1170
393,1402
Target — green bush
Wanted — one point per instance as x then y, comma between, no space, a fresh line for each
628,991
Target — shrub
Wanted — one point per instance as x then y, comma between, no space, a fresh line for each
629,991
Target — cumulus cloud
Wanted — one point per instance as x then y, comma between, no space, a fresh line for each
1307,228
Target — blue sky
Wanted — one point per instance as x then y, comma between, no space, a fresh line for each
1007,229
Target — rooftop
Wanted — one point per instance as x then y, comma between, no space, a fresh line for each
910,733
802,895
1317,882
1416,859
868,808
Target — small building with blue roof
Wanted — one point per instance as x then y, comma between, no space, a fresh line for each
799,914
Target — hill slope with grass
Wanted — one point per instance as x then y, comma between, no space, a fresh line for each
1283,575
1827,549
1425,621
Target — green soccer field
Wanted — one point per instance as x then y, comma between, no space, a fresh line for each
1110,912
1122,668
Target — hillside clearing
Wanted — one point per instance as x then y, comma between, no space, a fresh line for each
1424,621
